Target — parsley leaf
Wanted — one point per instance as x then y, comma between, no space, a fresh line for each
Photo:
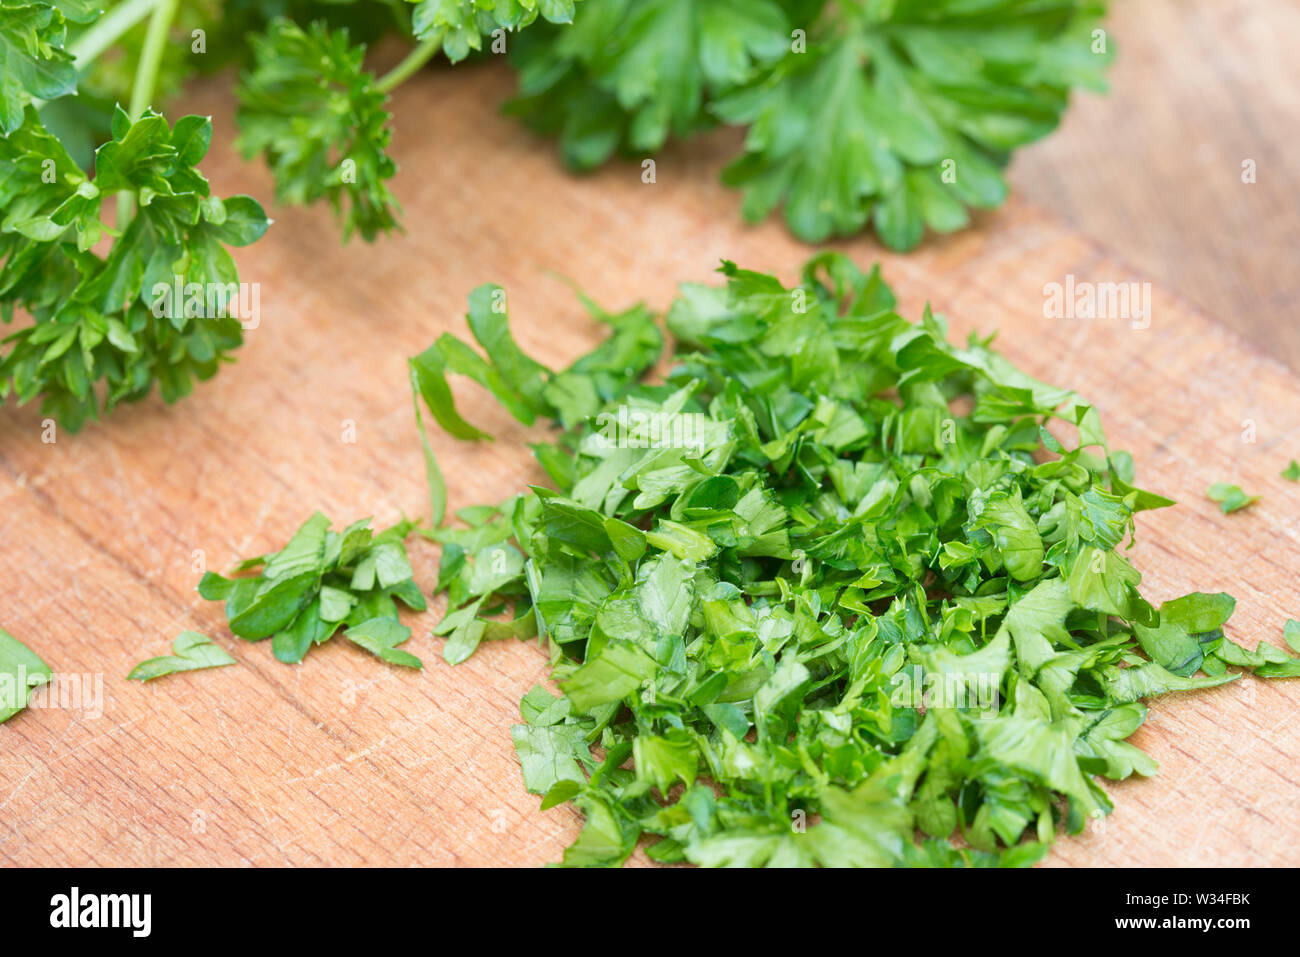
1230,497
20,671
380,637
193,652
33,63
1292,471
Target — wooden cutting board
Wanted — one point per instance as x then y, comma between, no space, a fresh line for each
346,761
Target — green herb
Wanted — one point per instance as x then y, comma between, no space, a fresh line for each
632,74
800,607
115,323
525,387
308,105
1292,471
322,581
459,26
1230,497
20,671
320,119
1291,632
108,327
32,58
194,652
899,115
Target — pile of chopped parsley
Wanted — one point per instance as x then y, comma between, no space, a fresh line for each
835,592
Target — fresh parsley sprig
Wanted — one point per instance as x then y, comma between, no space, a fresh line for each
308,105
107,325
103,333
319,118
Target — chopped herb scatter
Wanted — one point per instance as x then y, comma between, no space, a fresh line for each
320,582
1292,471
835,591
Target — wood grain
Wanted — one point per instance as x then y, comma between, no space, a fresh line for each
1198,87
346,761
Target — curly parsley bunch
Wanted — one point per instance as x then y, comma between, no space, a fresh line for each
103,330
102,324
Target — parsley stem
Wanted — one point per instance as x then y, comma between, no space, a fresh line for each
146,71
107,29
146,78
410,63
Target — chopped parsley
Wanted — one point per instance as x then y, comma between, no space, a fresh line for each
834,591
193,652
320,582
1230,497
